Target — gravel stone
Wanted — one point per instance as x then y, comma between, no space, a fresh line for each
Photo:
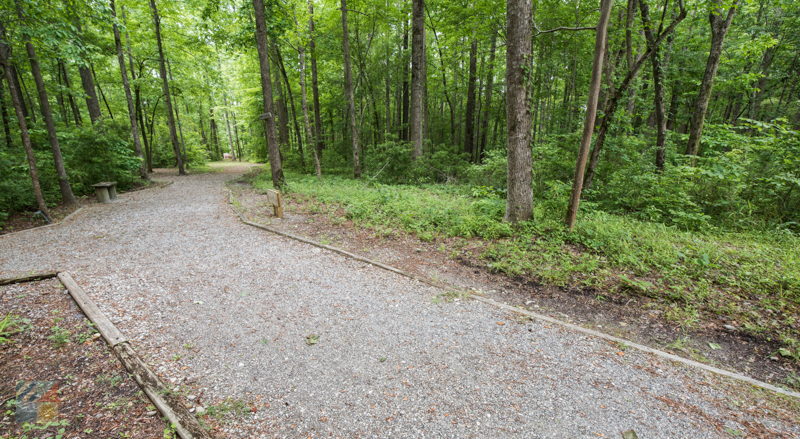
174,266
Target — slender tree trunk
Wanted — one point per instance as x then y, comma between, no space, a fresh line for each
16,102
87,81
266,87
487,99
162,63
20,84
102,95
469,116
445,89
178,117
76,112
292,108
720,22
318,128
404,58
44,105
601,39
62,107
658,86
418,78
236,136
304,103
137,145
519,201
6,121
349,95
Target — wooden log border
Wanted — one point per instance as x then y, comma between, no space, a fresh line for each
540,317
185,424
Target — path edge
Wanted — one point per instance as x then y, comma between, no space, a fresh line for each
541,317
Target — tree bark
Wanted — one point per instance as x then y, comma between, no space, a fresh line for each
76,112
67,196
6,120
319,140
469,114
487,98
162,63
519,200
87,81
658,85
290,95
350,95
418,78
266,87
100,89
405,60
720,23
137,145
601,39
16,102
304,103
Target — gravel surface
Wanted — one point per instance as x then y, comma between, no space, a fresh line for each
315,344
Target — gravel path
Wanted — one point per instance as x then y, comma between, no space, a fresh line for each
226,310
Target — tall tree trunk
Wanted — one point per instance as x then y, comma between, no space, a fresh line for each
600,46
487,98
20,84
418,78
720,22
266,87
162,64
236,136
292,108
16,102
658,85
445,88
100,89
405,60
62,107
87,81
350,95
319,140
44,105
137,145
304,103
469,115
76,112
281,108
178,117
519,201
6,121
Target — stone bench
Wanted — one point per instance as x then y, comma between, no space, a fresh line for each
106,191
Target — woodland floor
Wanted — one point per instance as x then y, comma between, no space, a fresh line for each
276,338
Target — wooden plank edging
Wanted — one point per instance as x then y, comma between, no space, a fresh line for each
184,423
40,275
541,317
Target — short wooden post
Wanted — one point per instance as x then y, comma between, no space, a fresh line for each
112,190
274,197
102,194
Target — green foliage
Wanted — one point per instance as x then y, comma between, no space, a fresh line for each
11,324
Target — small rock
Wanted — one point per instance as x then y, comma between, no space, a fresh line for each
151,413
729,327
192,397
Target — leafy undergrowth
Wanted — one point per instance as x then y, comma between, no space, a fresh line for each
750,281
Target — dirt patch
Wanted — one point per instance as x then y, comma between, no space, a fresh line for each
457,261
54,343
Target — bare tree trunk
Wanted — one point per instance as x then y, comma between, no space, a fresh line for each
349,95
178,117
487,99
292,108
658,86
304,103
20,84
318,128
76,112
102,95
6,121
173,134
404,58
236,136
469,114
720,22
62,107
445,89
418,78
266,87
137,146
87,81
44,105
601,39
519,201
16,102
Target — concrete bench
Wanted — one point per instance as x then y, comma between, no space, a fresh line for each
106,191
275,199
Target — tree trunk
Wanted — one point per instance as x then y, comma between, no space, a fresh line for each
137,146
350,95
20,84
601,39
519,201
6,121
658,86
445,89
266,87
320,141
418,78
469,116
304,103
100,89
88,84
162,63
292,108
76,112
404,58
720,22
236,136
62,106
44,105
487,98
16,102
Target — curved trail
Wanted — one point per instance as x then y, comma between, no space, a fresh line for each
226,310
